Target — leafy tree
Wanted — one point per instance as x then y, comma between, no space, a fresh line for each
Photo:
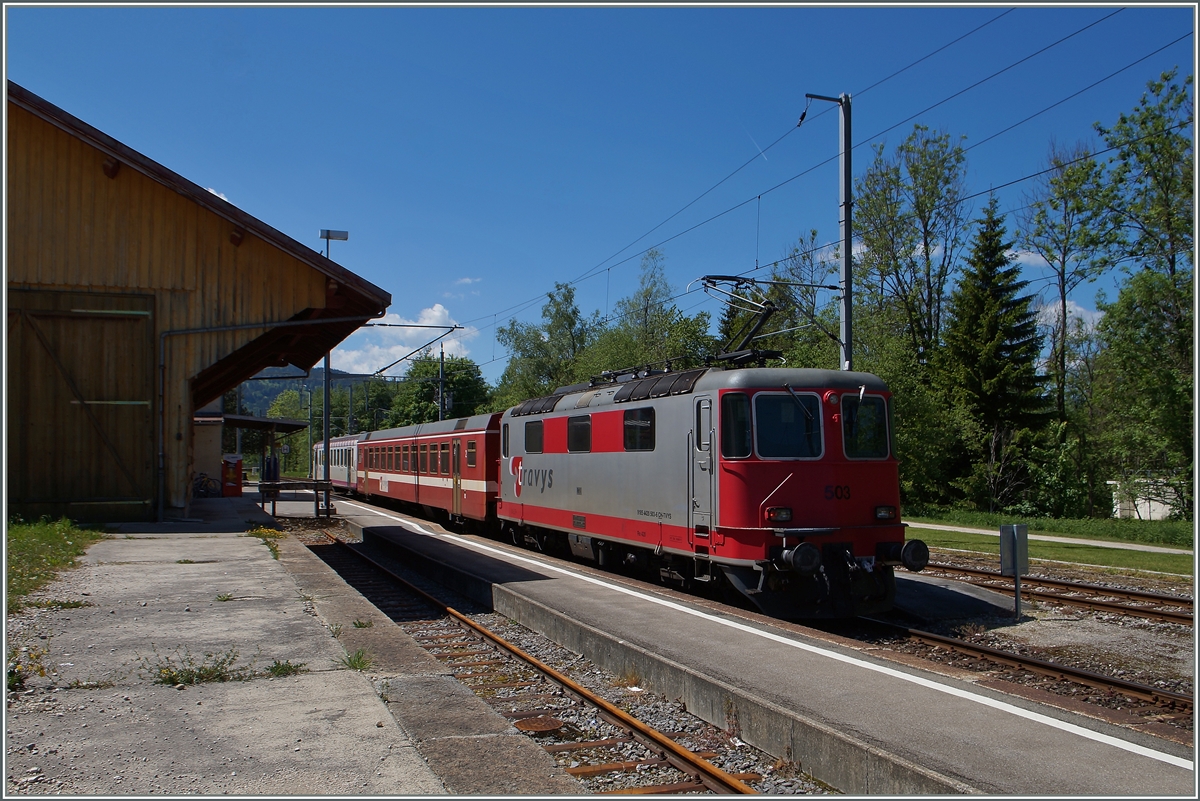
1152,178
544,357
911,218
1063,225
416,397
1146,388
990,355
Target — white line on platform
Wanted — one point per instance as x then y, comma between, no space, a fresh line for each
1002,706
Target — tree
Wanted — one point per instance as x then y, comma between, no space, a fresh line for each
911,219
544,357
1146,388
1064,227
989,360
1152,178
416,397
647,329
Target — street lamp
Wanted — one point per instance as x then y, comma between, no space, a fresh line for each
327,235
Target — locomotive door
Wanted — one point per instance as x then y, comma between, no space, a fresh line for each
703,469
455,468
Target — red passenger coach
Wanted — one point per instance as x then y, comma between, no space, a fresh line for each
450,465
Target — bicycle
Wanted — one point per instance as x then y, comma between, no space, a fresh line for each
206,487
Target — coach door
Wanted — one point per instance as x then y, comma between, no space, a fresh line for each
456,469
703,464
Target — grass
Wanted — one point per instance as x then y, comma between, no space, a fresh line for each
225,596
359,660
363,624
1181,564
37,552
268,537
188,669
1170,533
285,668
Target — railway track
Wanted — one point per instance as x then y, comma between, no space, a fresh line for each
1142,692
592,738
1151,605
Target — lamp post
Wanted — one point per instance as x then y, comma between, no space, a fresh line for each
328,235
844,200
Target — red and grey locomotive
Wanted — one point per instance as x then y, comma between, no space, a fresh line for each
781,484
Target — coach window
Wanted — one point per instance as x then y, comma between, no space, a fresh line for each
424,458
445,458
470,453
404,458
639,429
787,425
579,434
864,427
533,436
735,425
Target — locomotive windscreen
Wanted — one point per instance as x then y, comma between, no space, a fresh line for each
787,426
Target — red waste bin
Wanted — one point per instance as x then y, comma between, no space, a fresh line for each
231,478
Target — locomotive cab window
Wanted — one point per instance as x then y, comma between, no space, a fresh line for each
864,427
639,429
787,425
533,436
735,425
579,434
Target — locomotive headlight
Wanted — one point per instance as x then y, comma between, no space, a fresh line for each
779,514
885,512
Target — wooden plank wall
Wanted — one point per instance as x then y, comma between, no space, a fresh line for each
73,228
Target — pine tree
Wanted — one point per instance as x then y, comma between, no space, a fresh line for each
992,341
990,361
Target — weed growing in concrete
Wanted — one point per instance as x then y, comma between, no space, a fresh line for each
184,562
385,689
359,660
55,603
335,629
188,669
225,596
285,668
268,537
77,684
363,624
24,662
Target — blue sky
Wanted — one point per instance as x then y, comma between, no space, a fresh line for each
479,155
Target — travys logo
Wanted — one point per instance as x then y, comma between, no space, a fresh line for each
542,479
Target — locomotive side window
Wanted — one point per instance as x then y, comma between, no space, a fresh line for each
533,436
424,458
504,441
864,427
445,458
788,426
579,434
735,425
639,429
470,453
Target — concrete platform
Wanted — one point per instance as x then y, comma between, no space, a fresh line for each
860,723
196,592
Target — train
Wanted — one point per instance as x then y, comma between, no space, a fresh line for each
777,485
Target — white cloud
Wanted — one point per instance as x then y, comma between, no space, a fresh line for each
462,281
371,349
1048,314
218,194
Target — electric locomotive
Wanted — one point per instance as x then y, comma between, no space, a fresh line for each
782,483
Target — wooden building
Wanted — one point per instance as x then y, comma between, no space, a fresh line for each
136,297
